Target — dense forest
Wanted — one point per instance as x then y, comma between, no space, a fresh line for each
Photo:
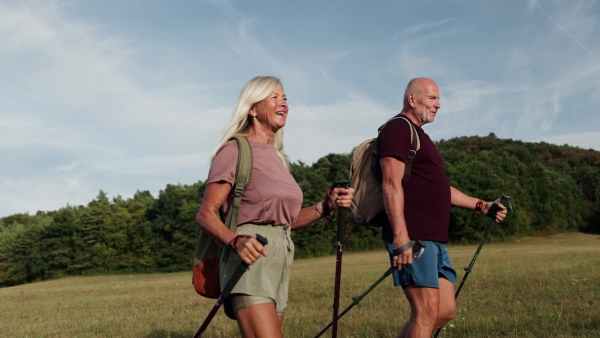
553,189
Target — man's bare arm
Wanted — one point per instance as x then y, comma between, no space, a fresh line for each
393,201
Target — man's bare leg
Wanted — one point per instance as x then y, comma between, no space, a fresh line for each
430,309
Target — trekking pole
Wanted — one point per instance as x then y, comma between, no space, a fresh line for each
418,246
338,262
491,214
235,277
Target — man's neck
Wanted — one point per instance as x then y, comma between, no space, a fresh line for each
411,116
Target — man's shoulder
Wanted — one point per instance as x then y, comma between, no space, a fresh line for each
398,122
394,140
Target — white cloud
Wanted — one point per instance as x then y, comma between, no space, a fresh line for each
47,194
461,97
91,101
575,18
313,131
426,26
79,100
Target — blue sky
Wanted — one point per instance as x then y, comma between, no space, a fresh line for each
133,95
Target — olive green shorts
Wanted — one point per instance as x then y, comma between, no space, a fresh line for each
269,276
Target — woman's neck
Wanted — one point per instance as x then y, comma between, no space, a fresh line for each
261,136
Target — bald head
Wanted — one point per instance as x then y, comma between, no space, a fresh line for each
421,100
418,84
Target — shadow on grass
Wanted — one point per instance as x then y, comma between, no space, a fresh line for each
169,334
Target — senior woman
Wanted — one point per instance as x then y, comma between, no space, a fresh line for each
271,206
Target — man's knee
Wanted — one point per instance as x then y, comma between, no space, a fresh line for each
427,313
434,314
445,314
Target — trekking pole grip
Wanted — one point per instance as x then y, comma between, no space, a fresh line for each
261,239
341,211
239,271
505,200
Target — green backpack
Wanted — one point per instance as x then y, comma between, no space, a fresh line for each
206,261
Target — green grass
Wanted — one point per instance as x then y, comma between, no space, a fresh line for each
536,287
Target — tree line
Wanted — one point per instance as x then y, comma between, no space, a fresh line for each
553,189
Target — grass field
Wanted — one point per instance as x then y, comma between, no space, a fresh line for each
536,287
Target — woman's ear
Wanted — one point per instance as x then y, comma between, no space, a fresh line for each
252,112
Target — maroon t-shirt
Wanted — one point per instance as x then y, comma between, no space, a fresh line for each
427,192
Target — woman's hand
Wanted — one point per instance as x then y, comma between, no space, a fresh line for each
248,248
336,198
340,197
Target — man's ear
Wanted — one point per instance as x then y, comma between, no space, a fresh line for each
412,100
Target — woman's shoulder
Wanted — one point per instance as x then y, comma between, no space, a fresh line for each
230,146
223,165
227,153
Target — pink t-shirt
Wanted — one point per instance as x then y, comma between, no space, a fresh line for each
272,197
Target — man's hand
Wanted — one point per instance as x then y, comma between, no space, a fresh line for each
406,257
500,214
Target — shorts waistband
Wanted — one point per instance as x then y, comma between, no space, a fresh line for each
266,227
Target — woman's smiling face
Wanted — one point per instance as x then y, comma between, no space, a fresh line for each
271,113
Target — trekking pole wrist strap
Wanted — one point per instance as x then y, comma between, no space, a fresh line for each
403,248
234,242
418,247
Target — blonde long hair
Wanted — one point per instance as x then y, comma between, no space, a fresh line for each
254,91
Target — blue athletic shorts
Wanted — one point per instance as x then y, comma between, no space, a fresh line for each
425,271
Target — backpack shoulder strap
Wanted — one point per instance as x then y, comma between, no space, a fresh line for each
415,145
388,121
242,179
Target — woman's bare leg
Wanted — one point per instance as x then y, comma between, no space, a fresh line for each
259,321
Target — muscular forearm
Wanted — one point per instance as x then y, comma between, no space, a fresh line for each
462,200
393,197
393,202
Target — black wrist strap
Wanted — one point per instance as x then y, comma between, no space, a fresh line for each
415,245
